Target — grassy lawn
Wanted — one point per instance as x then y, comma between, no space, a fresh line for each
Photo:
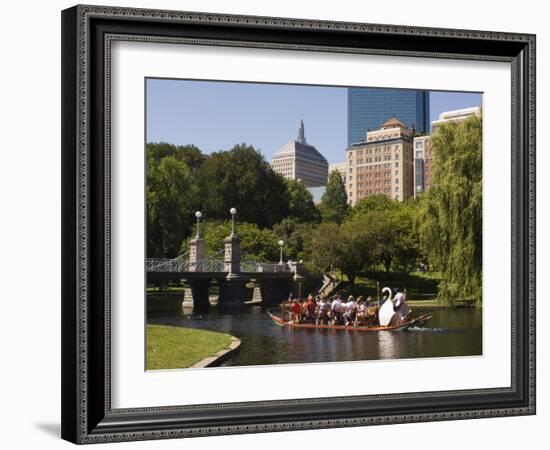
175,347
420,286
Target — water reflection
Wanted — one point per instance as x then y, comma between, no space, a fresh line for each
451,332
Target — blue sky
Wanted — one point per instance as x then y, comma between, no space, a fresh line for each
217,115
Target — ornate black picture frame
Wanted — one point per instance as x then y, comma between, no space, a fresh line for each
87,34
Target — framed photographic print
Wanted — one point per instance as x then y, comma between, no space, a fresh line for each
283,224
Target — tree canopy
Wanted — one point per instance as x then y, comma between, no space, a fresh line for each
296,236
190,154
301,205
256,243
451,225
241,178
377,235
172,196
334,202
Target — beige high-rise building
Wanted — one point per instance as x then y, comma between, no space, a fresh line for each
381,164
298,160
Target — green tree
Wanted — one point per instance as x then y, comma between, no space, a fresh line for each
241,178
171,197
451,226
387,226
296,236
382,228
190,154
334,202
407,255
258,244
378,202
333,246
301,205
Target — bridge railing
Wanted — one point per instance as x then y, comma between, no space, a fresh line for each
160,265
251,266
207,265
213,265
174,265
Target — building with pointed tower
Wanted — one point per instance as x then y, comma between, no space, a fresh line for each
298,160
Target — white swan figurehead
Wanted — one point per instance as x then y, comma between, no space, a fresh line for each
386,310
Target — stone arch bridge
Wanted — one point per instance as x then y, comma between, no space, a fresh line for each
275,280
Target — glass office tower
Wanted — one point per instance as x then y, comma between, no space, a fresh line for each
369,108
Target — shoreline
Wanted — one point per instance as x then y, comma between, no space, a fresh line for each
221,356
170,347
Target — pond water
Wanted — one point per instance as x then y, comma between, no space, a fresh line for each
451,332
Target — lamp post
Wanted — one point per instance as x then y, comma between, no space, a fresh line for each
233,211
198,215
281,243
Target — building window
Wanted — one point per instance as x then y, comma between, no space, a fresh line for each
397,181
396,163
419,144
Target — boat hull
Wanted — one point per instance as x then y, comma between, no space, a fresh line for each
417,322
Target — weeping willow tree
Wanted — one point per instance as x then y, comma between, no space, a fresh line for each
451,220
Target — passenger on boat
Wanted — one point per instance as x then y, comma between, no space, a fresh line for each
296,311
361,308
303,306
337,311
310,309
350,311
400,306
371,313
323,314
317,301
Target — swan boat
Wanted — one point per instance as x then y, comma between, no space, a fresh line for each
416,322
386,315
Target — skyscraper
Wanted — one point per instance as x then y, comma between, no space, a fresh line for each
298,160
369,108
